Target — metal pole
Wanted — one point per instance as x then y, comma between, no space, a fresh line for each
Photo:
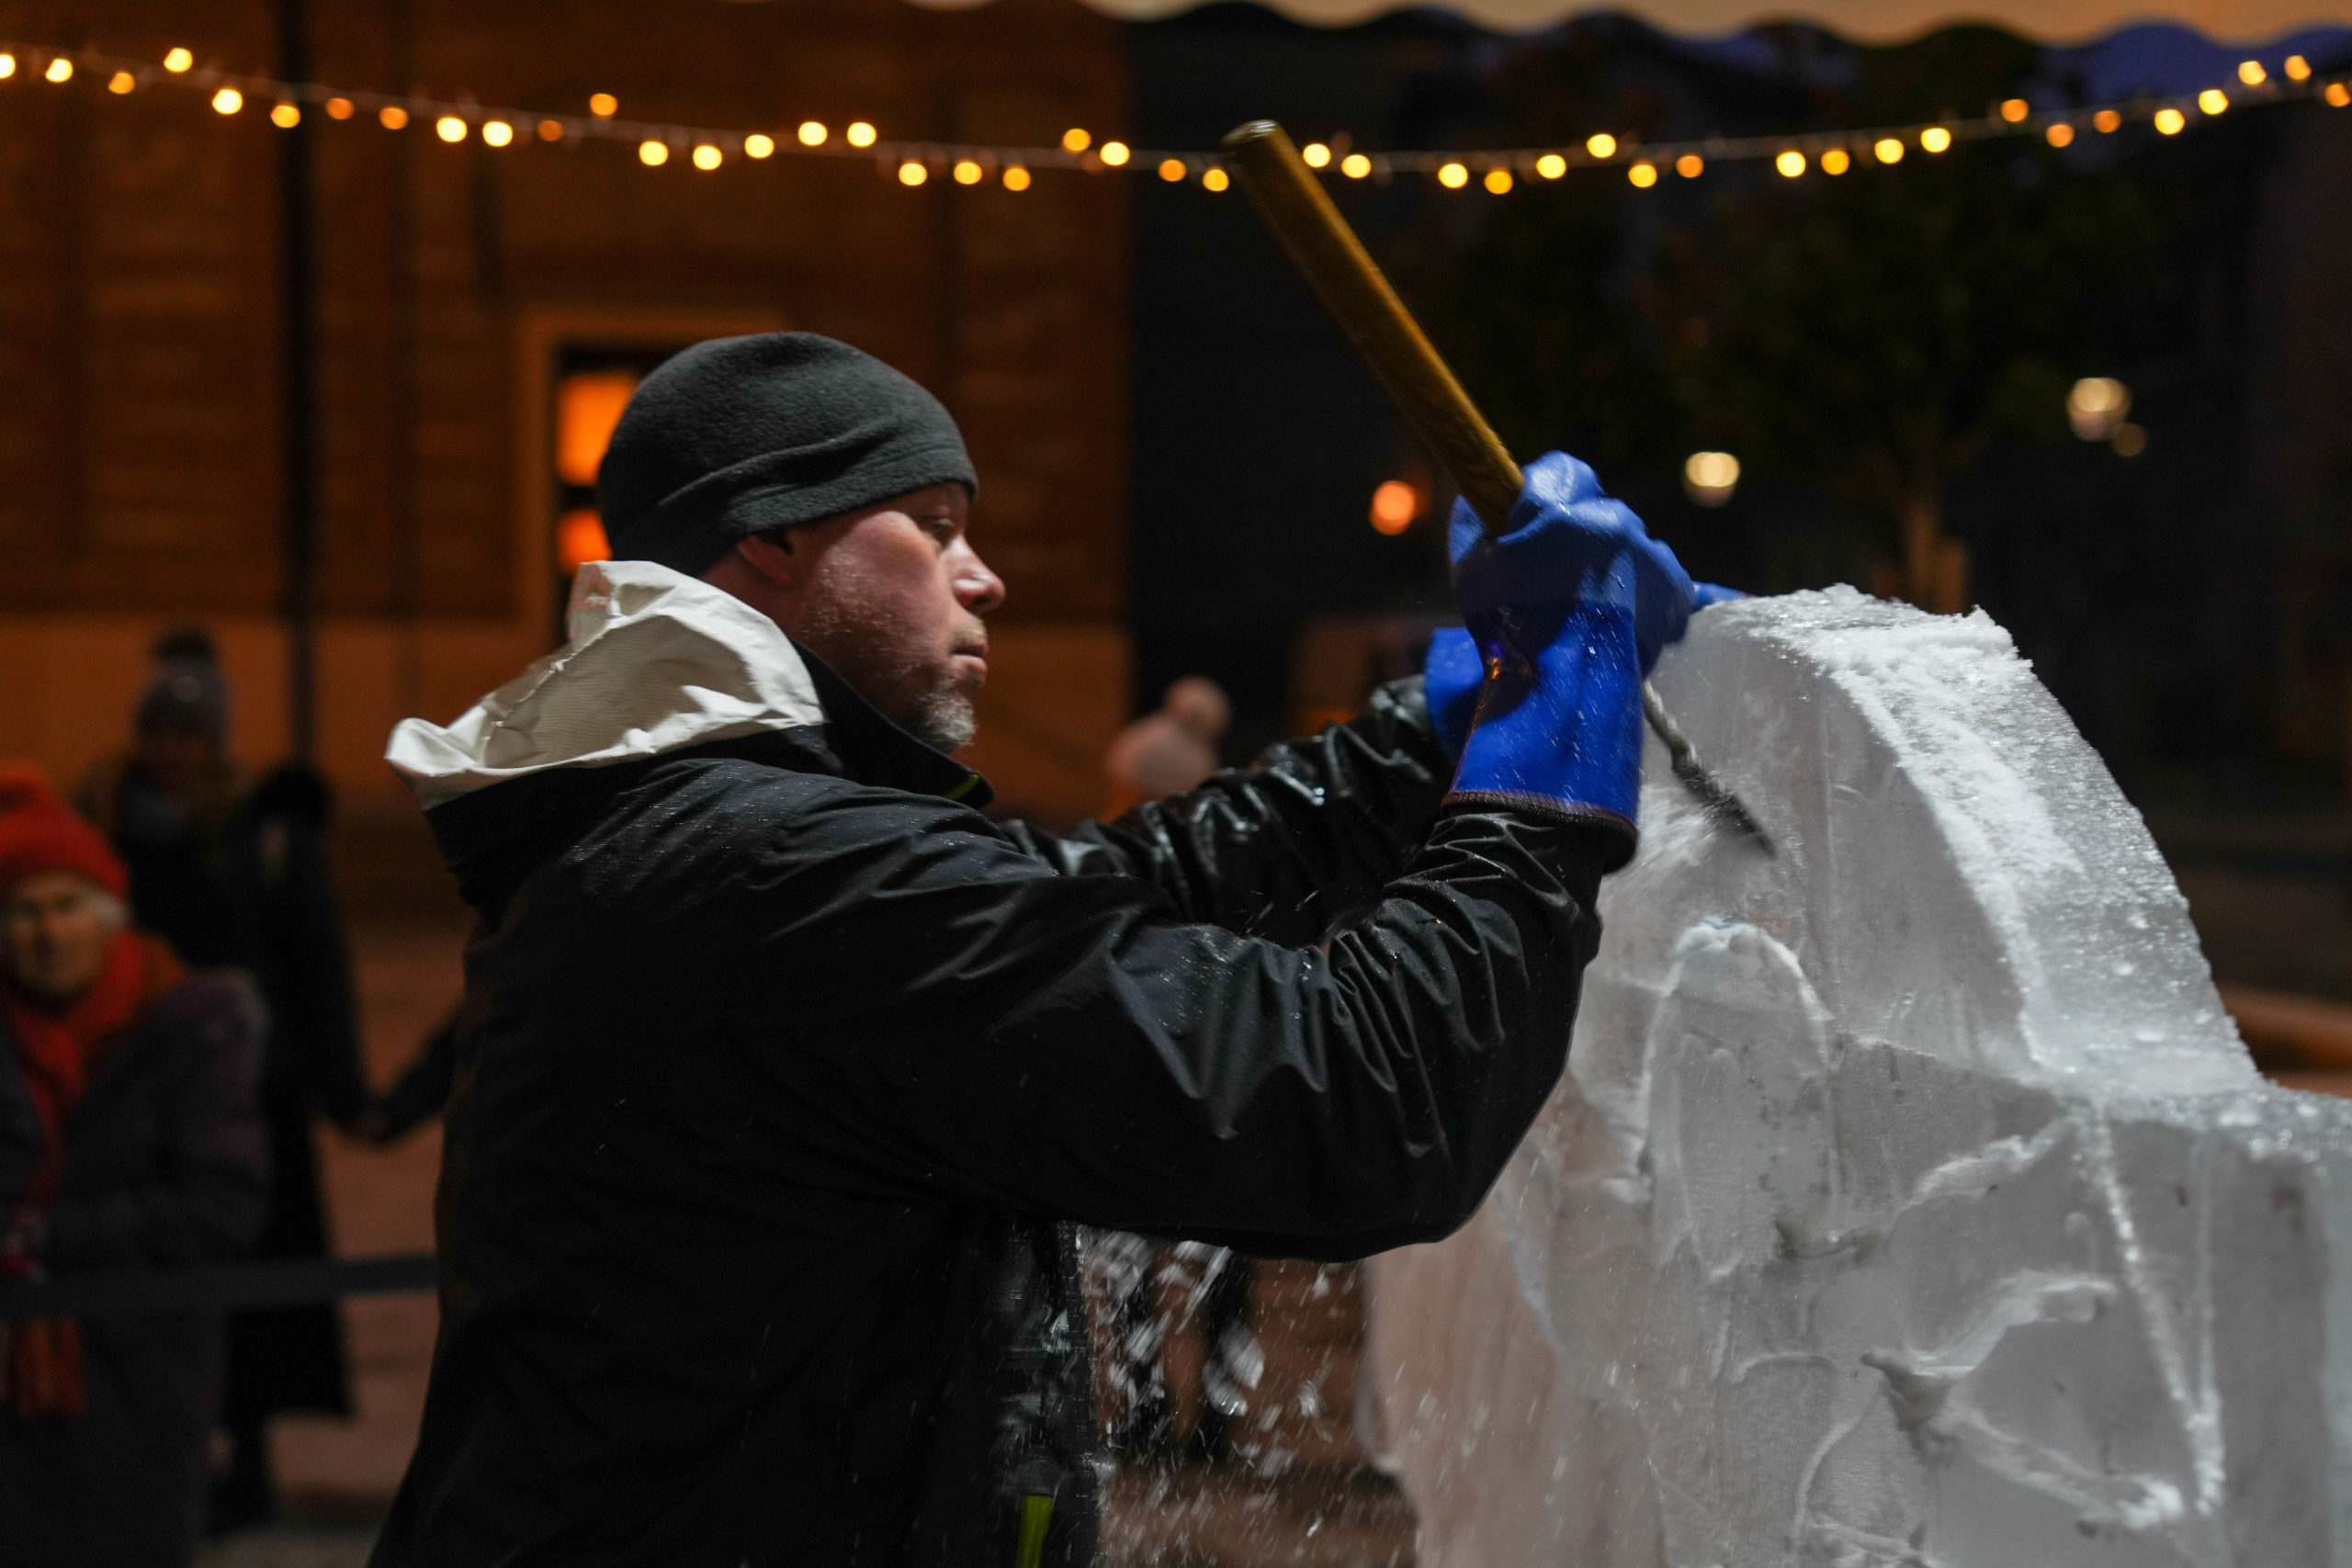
298,338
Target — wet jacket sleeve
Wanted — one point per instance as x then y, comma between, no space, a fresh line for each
1282,850
941,1015
204,1185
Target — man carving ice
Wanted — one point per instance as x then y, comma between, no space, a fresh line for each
785,1070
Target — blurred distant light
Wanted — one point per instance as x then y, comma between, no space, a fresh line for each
1076,141
1015,177
2297,68
2251,73
2212,100
391,117
967,172
1355,165
2015,109
2129,440
707,157
1315,155
1836,162
2337,95
1644,175
1935,138
2169,120
812,133
1709,477
652,153
758,145
603,106
2060,134
341,109
588,404
1791,163
60,70
1394,505
859,134
286,116
1172,170
449,128
1551,165
1215,179
8,66
1888,150
1115,153
1690,165
228,100
912,173
1452,176
1497,181
123,82
1601,144
578,539
497,133
2096,407
178,60
2107,121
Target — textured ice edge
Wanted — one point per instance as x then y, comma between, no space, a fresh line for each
1911,1199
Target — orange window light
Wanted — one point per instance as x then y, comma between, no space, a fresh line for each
587,406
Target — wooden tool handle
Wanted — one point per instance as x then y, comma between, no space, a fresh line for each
1351,286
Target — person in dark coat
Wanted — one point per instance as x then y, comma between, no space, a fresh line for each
783,1072
129,1138
235,876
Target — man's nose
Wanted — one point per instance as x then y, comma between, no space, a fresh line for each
978,589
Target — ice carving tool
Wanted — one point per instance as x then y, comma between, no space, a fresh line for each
1367,310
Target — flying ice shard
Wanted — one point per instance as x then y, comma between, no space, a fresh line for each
1910,1198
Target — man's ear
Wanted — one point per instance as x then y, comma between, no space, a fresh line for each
771,556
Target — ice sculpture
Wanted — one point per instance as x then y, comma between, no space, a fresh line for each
1910,1198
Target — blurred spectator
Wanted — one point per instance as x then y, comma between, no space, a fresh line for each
129,1138
233,876
1172,751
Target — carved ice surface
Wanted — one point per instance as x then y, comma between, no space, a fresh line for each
1910,1198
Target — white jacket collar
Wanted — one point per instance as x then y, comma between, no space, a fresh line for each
658,661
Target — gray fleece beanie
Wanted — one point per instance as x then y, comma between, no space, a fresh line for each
742,436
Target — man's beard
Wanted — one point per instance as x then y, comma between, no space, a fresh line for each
943,717
922,698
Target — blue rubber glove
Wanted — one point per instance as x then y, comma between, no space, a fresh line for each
1568,610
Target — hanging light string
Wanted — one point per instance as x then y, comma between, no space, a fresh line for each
1792,155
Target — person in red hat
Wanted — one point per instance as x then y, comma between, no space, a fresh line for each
129,1138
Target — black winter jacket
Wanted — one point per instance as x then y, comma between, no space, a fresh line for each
779,1060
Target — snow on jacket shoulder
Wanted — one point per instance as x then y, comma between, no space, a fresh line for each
775,1050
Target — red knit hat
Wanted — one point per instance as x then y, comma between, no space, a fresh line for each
40,832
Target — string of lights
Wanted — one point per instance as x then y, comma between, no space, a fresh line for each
1792,155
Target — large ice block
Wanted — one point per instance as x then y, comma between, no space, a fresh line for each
1911,1199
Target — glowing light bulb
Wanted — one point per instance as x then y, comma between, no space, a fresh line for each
1115,153
2169,120
652,154
1355,165
707,157
1454,176
1690,165
8,66
811,133
1015,177
341,109
1887,150
1172,170
2060,135
550,130
1601,144
2337,95
1709,477
1215,179
1935,138
759,144
2107,121
912,172
60,70
228,100
968,173
860,134
1076,141
1791,163
2297,68
2096,405
450,128
1551,165
1497,181
603,106
1315,155
286,116
497,133
1394,505
2014,110
178,60
1837,160
2212,100
2251,73
1644,175
391,117
123,82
